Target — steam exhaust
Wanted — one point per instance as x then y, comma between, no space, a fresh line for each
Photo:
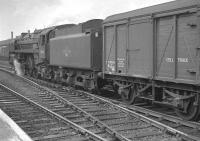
17,67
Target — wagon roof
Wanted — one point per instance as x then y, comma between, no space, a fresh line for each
169,6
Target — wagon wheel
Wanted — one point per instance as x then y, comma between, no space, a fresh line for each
129,95
193,110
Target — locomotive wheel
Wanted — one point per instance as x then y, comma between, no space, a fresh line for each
30,66
193,111
129,96
35,73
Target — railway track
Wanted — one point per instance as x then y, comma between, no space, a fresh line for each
38,122
64,110
119,122
191,128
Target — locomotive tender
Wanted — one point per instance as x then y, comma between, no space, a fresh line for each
148,54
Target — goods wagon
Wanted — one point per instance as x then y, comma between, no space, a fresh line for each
6,46
4,52
153,54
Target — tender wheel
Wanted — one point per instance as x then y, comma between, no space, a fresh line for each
192,110
129,95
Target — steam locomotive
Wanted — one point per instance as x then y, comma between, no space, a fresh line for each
149,54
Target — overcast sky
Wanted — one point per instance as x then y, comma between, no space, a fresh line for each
22,15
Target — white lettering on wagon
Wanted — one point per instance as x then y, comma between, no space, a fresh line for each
111,66
67,52
181,60
121,62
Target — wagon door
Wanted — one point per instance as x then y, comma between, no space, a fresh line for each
187,43
121,45
109,49
140,48
165,47
115,48
177,42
